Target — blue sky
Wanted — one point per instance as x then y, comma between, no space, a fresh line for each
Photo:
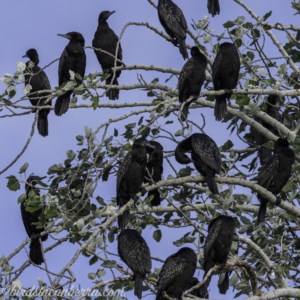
35,24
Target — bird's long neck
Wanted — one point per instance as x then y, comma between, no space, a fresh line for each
102,25
35,60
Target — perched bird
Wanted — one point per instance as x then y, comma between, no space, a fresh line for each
205,156
73,59
134,251
176,273
31,218
191,79
213,7
275,173
154,169
39,81
172,19
105,39
130,176
273,110
225,73
217,248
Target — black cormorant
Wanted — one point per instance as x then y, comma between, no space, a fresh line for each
130,176
172,19
191,79
39,81
154,169
31,218
275,173
205,156
217,248
105,39
135,252
225,73
176,273
213,7
73,59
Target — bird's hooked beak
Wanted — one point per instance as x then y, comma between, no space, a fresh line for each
66,36
146,144
25,55
111,13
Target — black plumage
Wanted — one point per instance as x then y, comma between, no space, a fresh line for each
39,81
197,291
130,176
172,19
213,7
275,173
191,79
217,248
73,59
31,218
105,39
225,73
205,156
134,251
154,169
273,110
176,273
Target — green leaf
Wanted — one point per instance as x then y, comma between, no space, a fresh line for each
95,102
239,20
185,172
24,168
228,145
157,235
79,138
13,183
228,24
71,154
267,15
242,100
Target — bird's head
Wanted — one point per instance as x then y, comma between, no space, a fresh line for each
73,36
32,55
104,15
195,52
142,142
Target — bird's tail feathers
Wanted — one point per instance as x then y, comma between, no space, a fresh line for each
213,7
212,185
123,219
182,48
224,285
62,104
220,107
156,197
138,285
42,125
262,211
203,292
111,93
35,252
